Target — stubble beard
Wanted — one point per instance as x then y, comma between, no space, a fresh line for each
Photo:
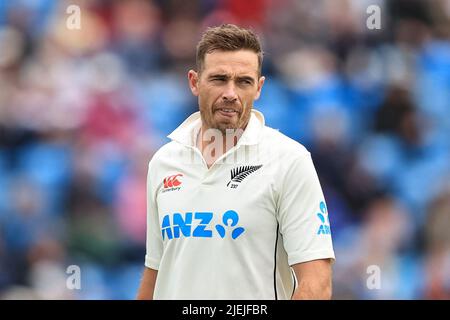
226,128
220,136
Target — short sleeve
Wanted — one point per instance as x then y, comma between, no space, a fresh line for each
154,243
302,214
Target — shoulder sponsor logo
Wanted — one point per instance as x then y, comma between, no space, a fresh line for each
176,225
240,173
172,183
324,227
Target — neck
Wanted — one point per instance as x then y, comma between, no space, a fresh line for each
213,143
223,140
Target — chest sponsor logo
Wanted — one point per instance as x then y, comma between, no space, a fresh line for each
172,183
178,225
240,173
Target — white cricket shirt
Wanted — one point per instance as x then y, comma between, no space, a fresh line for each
234,230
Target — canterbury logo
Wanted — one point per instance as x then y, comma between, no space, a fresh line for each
240,173
172,181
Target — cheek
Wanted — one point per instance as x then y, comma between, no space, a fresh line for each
208,98
247,100
203,101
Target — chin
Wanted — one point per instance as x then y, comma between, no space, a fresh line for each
224,126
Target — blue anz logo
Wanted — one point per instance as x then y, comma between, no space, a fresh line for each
181,225
234,217
324,227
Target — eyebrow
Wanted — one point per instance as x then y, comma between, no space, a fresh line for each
218,75
248,78
226,77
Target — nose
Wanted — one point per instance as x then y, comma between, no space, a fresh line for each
229,94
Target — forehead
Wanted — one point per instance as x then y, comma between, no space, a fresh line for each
241,61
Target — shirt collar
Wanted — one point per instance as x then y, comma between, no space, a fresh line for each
187,132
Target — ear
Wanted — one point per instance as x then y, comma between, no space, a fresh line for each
260,85
193,82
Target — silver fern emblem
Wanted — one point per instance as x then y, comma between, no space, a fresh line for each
240,173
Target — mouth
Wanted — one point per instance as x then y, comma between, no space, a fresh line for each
227,112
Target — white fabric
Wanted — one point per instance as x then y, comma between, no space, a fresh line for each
280,207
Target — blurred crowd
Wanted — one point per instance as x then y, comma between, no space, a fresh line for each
83,110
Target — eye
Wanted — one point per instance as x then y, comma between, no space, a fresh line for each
245,81
218,80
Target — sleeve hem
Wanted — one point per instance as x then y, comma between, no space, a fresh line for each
299,257
151,263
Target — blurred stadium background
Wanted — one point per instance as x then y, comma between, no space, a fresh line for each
82,112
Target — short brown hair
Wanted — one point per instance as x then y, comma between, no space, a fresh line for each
228,37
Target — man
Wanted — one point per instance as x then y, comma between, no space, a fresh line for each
235,208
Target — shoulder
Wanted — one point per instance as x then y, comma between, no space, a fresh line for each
167,151
288,148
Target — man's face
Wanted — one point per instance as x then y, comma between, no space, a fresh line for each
226,88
